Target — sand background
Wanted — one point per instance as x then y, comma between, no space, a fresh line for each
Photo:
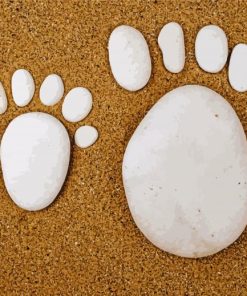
86,242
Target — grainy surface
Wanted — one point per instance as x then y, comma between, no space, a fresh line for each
86,242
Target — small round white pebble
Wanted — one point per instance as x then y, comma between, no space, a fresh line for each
237,71
77,104
129,58
211,48
85,136
3,99
171,43
22,87
51,90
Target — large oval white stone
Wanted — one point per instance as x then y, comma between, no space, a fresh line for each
211,48
185,173
129,58
35,154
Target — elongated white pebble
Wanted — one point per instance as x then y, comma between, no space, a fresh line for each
35,154
129,58
171,43
237,71
86,136
51,90
3,99
211,48
77,104
185,173
22,87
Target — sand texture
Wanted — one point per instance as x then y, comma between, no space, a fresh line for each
86,242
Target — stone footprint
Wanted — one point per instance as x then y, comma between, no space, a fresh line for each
35,147
185,167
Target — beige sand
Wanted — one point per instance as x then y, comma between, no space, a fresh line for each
86,243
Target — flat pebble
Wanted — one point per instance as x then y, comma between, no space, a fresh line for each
77,104
86,136
35,154
171,43
22,87
211,48
3,99
237,71
185,173
51,90
129,58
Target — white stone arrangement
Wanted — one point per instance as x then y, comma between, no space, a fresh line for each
35,147
131,63
185,167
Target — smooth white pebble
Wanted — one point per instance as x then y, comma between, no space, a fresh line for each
85,136
211,48
129,58
171,43
3,99
237,71
23,87
51,90
77,104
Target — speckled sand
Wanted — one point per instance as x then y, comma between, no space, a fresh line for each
86,242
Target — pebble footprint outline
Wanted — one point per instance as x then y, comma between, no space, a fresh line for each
130,60
145,155
76,106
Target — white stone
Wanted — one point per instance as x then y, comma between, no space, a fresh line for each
3,100
237,71
51,90
77,104
35,154
22,87
211,48
185,173
85,136
129,58
171,43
